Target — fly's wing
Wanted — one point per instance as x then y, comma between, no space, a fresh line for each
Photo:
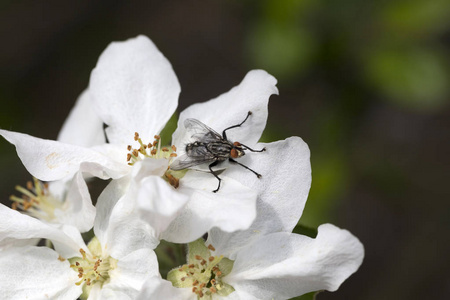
185,161
200,132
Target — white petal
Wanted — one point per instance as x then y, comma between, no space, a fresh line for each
99,292
105,205
232,208
50,160
80,212
231,109
158,202
117,227
283,190
129,234
143,198
14,225
131,273
68,250
283,265
36,273
129,276
135,90
96,292
83,127
149,167
12,242
158,288
242,295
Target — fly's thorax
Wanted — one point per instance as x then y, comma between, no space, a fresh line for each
195,149
220,149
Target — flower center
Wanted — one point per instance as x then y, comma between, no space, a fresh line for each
36,201
153,150
92,268
204,273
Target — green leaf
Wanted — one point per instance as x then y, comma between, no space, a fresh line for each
309,296
305,230
170,256
166,133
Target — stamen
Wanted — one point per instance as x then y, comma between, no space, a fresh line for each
90,268
152,150
204,275
36,201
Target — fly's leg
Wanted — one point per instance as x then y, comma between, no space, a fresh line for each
236,162
234,126
247,148
212,172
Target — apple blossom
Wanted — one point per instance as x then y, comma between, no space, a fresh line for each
57,202
134,91
115,263
265,261
275,266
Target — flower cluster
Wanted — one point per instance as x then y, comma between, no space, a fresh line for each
239,238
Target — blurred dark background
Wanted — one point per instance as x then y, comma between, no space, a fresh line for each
364,83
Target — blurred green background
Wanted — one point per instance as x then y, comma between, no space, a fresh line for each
364,83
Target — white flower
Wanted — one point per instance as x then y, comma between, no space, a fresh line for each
284,165
265,261
65,201
114,264
134,89
57,203
275,266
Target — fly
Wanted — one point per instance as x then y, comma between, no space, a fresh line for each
211,148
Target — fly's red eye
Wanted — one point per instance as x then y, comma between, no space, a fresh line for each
234,153
237,144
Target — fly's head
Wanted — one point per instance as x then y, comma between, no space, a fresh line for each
237,150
